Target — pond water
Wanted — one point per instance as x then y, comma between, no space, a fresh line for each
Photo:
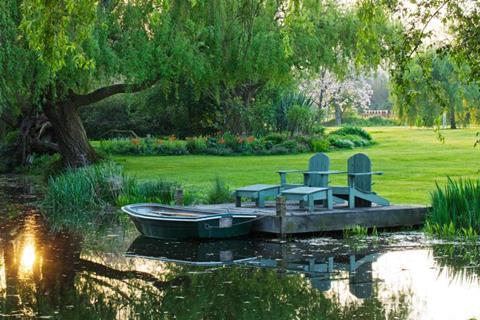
117,274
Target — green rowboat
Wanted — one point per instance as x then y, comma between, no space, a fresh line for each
167,222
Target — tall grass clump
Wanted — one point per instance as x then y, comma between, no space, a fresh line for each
76,199
159,191
80,200
219,192
455,208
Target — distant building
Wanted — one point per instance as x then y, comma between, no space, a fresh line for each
377,113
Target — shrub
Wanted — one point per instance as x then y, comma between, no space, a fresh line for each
318,130
197,145
299,119
279,149
290,145
320,145
120,146
340,142
257,146
286,103
172,147
357,131
356,140
45,165
275,138
456,206
366,122
219,192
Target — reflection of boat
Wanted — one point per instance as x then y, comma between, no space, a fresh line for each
192,252
165,222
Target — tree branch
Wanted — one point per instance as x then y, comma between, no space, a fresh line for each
80,100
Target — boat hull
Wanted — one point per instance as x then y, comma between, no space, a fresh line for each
204,226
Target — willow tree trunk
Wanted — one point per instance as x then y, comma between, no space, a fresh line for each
453,123
73,143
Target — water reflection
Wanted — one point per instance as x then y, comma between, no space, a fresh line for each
117,275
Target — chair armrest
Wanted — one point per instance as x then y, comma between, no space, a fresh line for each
323,172
366,173
283,175
289,171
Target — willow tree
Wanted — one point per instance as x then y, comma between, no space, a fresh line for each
58,56
433,85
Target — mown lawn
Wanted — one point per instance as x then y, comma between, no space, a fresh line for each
412,159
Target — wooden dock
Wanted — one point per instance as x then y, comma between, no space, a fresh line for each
297,221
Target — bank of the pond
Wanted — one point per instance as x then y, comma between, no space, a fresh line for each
413,160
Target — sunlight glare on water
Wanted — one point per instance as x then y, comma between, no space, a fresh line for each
28,257
27,249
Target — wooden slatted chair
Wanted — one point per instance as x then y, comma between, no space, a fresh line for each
319,162
359,190
315,186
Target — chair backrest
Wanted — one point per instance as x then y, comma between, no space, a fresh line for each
359,163
319,162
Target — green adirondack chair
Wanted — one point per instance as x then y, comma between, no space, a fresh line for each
315,186
359,190
317,163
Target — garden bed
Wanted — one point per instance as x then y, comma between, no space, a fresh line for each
230,144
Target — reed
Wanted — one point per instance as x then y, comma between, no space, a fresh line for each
219,192
81,199
159,191
455,208
78,198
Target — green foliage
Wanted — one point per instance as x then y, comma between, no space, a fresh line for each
365,122
357,131
299,119
79,198
229,144
197,145
433,85
355,232
219,192
44,165
320,145
291,109
157,191
340,142
455,208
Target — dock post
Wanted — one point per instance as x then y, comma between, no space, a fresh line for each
178,197
281,210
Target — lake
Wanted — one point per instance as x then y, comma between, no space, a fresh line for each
117,274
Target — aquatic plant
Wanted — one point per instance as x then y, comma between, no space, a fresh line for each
455,208
219,192
160,191
356,231
77,198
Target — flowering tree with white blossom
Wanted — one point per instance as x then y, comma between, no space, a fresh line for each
339,95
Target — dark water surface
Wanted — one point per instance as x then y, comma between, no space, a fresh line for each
116,274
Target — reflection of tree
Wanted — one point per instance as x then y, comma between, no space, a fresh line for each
60,281
69,287
461,259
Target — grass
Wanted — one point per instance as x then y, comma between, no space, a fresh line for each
413,160
456,208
